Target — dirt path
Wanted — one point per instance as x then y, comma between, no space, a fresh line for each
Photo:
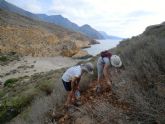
28,66
96,108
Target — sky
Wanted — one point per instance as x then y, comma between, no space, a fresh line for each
124,18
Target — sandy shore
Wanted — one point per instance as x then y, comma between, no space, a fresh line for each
30,65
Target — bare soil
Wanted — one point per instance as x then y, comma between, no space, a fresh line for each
28,66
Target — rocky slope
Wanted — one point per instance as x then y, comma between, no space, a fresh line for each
26,36
137,95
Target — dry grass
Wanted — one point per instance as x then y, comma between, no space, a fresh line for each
42,105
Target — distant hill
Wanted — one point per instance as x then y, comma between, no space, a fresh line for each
55,19
59,20
89,31
27,36
106,36
10,7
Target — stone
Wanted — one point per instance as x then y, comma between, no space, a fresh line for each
81,54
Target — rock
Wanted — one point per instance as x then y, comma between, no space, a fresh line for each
94,42
82,44
81,55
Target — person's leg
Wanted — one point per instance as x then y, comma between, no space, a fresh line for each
99,76
67,86
107,75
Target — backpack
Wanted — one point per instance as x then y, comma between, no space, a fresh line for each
105,54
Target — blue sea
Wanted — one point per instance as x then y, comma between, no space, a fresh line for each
104,45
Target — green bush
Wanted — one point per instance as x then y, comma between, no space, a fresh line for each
3,58
9,82
144,57
12,107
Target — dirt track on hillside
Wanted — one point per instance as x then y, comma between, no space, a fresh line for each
95,108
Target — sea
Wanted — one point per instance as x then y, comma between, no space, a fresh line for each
104,45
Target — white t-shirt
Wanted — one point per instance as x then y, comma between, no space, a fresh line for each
72,72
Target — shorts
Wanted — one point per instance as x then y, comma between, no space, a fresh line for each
67,85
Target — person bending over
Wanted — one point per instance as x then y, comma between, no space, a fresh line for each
103,68
71,79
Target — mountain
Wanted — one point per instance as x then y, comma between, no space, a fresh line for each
106,36
55,19
10,7
59,20
89,31
26,36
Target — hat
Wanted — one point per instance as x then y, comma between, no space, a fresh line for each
116,61
88,67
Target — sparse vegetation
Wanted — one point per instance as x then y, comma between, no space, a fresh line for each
5,58
140,84
40,108
21,95
46,87
143,58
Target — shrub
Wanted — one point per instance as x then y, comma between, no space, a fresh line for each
13,106
42,105
46,87
143,57
3,58
9,82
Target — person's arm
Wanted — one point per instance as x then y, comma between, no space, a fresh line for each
106,71
73,83
74,87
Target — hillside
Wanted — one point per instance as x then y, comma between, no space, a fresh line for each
137,96
26,36
55,19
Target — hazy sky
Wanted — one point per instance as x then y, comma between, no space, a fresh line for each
123,18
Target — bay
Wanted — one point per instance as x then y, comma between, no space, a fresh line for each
104,45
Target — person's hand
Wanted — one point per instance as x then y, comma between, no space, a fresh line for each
109,83
73,97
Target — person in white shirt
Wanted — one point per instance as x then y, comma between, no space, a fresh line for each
71,79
